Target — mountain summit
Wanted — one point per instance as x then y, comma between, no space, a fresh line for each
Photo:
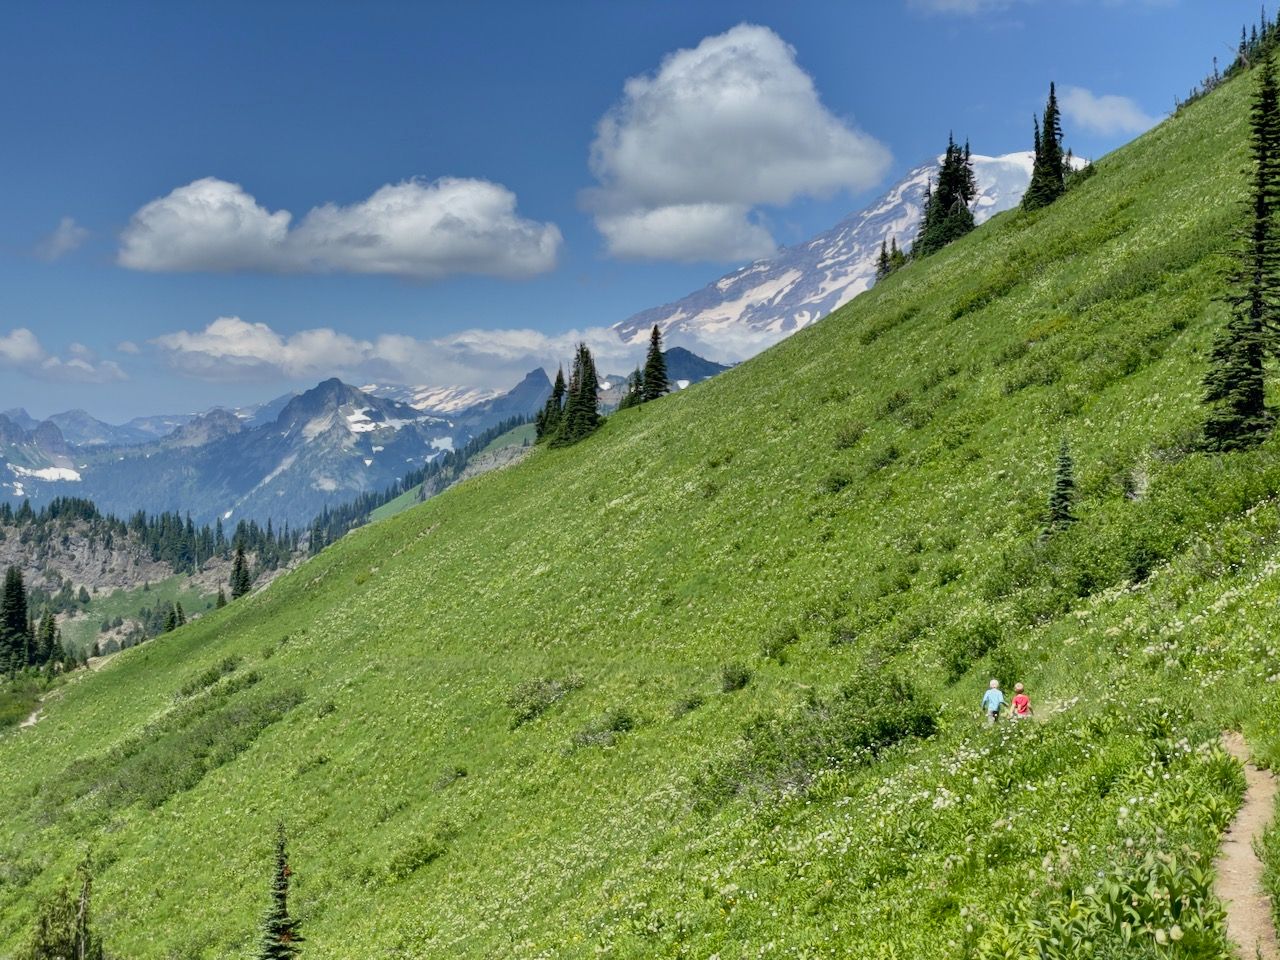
759,304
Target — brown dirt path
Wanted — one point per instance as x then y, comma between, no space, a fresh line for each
1239,870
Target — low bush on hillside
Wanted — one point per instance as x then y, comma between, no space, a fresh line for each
686,705
784,753
605,730
532,698
208,677
734,676
774,645
17,701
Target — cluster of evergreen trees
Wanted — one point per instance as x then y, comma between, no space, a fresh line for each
572,411
1257,42
650,381
947,212
168,538
1052,166
27,642
891,259
1235,384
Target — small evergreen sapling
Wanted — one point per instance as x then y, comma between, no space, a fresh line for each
280,937
1063,496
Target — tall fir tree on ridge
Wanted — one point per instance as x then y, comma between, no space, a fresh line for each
1235,384
947,212
280,937
547,422
1048,172
655,369
634,395
581,414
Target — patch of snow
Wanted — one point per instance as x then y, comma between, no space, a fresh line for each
682,384
606,385
47,473
443,443
359,422
18,489
378,449
368,463
227,515
327,484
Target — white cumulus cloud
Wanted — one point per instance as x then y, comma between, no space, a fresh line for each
690,152
67,236
21,351
230,348
1106,115
417,229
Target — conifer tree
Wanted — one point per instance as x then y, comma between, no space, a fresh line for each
947,213
241,581
15,638
1063,496
280,937
222,599
547,423
635,391
180,618
883,267
581,413
1048,172
63,929
897,258
655,369
1235,387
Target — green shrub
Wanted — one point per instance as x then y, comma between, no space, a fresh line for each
532,698
734,676
687,704
208,677
605,730
849,433
774,645
784,753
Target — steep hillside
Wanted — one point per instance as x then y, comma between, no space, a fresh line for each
706,683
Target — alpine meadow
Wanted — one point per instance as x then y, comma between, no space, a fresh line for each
705,683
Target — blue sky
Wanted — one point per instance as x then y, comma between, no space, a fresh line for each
210,204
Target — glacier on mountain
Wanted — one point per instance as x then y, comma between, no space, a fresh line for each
761,303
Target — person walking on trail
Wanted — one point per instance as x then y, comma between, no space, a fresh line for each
1021,707
992,701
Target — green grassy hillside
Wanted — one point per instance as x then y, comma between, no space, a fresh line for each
854,519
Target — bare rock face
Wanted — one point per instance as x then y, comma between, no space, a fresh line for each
69,553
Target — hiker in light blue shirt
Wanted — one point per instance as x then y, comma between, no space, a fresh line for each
992,701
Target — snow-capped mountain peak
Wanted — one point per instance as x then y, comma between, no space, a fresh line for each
765,301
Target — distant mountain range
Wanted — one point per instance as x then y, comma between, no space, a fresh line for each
765,301
286,459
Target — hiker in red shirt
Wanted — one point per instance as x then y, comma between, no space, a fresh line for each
1021,708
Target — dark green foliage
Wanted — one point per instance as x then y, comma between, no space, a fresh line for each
605,730
547,423
533,698
1235,385
774,645
635,391
241,581
1048,174
688,704
222,599
947,213
63,929
784,753
655,369
734,676
891,258
15,635
882,261
581,415
208,677
280,937
1063,496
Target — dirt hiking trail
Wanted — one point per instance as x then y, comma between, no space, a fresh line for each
1239,871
